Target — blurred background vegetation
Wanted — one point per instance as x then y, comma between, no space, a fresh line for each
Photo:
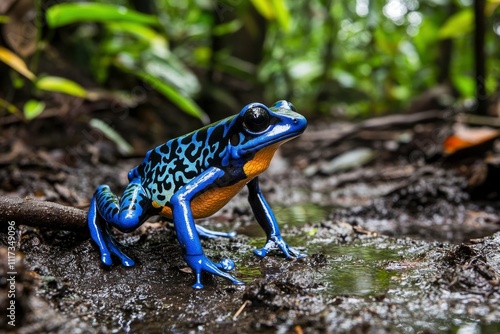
101,61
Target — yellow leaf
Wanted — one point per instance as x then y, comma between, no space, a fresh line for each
11,59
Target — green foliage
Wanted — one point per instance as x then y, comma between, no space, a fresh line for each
131,44
111,134
61,85
274,10
67,13
32,109
356,57
458,25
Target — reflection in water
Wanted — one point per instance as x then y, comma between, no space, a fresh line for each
294,215
352,269
358,270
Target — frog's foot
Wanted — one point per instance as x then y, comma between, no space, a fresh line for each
277,242
210,234
114,247
200,263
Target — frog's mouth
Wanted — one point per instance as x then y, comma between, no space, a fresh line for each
278,140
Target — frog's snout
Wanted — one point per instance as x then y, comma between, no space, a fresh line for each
299,122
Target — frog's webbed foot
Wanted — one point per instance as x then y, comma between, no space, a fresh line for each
200,263
108,245
105,212
277,242
211,234
114,246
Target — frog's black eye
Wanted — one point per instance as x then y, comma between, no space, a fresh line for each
256,119
292,107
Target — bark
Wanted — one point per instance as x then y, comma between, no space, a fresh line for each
26,211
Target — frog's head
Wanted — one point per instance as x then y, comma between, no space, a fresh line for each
258,127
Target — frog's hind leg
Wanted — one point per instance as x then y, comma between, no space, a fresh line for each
211,234
204,232
125,214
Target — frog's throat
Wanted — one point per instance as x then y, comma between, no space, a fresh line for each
211,201
261,160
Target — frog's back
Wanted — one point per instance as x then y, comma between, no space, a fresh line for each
170,166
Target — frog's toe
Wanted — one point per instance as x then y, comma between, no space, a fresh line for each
127,262
200,263
115,250
261,252
225,264
296,253
197,286
106,259
278,243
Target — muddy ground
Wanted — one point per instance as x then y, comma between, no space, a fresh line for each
394,246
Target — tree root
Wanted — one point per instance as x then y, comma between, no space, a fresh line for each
27,211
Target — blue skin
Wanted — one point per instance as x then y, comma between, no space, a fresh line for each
174,174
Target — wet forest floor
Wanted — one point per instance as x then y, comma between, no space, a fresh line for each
400,239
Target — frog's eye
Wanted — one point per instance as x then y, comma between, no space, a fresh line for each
292,107
256,119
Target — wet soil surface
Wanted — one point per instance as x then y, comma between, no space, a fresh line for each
392,247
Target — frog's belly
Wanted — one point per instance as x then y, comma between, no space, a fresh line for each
210,201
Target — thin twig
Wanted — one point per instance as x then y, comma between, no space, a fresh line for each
242,307
374,123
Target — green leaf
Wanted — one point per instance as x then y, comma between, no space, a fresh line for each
265,8
154,76
33,108
67,13
170,69
111,134
458,24
185,103
464,84
9,106
140,31
282,14
227,28
61,85
4,19
274,10
387,43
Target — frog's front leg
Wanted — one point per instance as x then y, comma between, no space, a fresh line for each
125,214
186,229
267,221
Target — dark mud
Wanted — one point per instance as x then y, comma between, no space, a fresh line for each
389,250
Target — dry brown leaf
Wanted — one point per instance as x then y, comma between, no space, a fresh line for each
465,137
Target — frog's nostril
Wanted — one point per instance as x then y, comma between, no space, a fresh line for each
295,121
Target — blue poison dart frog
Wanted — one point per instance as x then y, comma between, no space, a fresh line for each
195,175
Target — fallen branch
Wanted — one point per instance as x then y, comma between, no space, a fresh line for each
26,211
374,123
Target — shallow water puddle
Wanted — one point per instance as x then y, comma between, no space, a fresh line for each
351,269
288,216
356,269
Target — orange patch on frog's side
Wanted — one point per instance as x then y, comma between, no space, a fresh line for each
211,201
